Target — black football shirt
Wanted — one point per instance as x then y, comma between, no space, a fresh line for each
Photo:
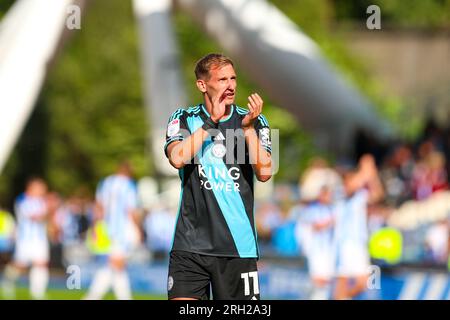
216,211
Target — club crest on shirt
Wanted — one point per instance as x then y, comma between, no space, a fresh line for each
219,150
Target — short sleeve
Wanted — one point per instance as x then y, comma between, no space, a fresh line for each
263,130
176,126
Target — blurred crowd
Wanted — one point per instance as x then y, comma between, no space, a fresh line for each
416,200
417,170
71,228
410,174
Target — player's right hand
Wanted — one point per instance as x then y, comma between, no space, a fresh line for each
218,106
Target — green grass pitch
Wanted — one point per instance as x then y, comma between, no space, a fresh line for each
60,294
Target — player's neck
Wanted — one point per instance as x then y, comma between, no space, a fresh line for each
122,174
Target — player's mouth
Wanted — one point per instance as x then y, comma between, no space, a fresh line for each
229,95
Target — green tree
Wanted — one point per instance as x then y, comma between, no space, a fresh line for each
90,113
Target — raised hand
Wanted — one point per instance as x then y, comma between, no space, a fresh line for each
368,166
218,106
255,104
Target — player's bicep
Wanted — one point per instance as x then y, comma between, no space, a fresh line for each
176,130
170,150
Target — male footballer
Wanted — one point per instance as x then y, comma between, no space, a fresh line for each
219,149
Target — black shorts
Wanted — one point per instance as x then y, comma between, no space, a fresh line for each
192,275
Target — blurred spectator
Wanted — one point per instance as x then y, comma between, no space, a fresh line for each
31,248
316,221
429,175
72,220
437,172
362,187
117,208
396,174
436,242
268,218
159,225
54,202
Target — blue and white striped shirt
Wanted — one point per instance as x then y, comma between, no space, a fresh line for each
118,196
351,224
27,209
317,241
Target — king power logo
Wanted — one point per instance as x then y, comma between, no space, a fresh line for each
218,179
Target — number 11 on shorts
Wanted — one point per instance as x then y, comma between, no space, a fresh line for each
254,276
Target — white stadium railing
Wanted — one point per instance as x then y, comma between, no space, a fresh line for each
163,81
29,34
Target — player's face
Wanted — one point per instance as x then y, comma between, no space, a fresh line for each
38,188
325,196
42,189
220,79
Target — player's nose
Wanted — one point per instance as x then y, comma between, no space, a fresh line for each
231,86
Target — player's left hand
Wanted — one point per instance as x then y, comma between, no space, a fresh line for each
254,105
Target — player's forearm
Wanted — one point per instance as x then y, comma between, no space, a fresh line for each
136,219
39,217
182,152
323,224
360,180
135,216
376,189
259,158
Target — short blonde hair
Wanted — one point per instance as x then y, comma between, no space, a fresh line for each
205,64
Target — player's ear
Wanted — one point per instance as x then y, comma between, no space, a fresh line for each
201,85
